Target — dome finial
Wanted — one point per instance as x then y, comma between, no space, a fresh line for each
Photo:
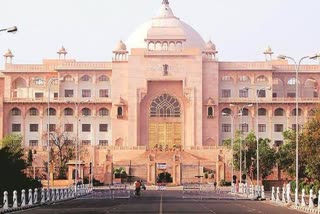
165,2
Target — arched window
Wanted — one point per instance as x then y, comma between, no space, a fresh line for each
86,112
165,46
158,46
172,46
68,112
262,78
226,112
262,112
279,112
151,46
38,81
103,112
244,79
210,112
245,112
179,46
103,78
85,78
165,106
294,112
33,112
292,81
226,79
52,112
119,111
15,112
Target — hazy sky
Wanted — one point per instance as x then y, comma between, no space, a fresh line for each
89,29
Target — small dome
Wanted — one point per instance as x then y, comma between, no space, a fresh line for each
62,50
210,46
120,46
268,50
8,53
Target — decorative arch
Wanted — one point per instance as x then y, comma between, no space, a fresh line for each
262,78
68,111
103,78
226,112
244,79
19,83
103,112
311,83
165,105
85,78
68,78
279,112
52,112
293,112
86,112
262,112
33,111
292,81
15,111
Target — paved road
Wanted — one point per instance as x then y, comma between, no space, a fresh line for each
162,202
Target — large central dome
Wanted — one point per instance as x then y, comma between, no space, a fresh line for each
165,26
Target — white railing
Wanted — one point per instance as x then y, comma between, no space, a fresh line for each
37,197
304,203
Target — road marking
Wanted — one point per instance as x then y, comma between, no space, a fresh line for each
160,210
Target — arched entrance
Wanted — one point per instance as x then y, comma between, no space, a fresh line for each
165,122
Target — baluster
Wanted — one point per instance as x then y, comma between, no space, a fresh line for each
23,198
30,202
5,200
15,199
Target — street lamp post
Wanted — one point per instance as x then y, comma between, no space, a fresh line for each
12,29
50,81
297,67
77,167
257,125
232,139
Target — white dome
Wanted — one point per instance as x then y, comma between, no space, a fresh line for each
165,26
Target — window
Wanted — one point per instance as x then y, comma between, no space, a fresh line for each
86,127
294,127
86,93
245,112
103,78
68,127
86,112
68,93
103,143
274,95
55,95
33,143
226,112
226,78
244,127
38,95
52,127
210,112
244,79
292,81
226,127
119,112
85,78
103,127
16,127
68,78
103,112
52,112
86,142
279,112
278,127
294,112
278,143
291,95
34,112
262,112
164,105
226,93
243,93
103,93
262,127
15,112
38,81
68,112
261,93
262,78
34,127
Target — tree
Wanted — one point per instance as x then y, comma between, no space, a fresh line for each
13,165
30,158
61,152
119,172
249,153
309,150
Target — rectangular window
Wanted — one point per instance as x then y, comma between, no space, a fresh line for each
38,95
262,93
103,127
103,93
68,93
262,127
86,142
103,143
68,127
52,127
274,95
294,127
226,127
16,127
34,127
278,142
226,93
243,93
244,127
278,127
33,143
291,95
86,93
86,127
33,112
55,96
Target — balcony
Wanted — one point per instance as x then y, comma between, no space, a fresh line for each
307,100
